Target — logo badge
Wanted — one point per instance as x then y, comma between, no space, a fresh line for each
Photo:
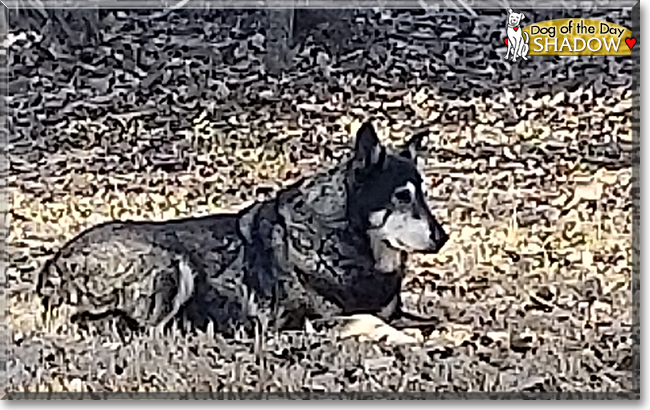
565,37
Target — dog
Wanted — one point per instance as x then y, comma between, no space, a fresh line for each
329,245
517,45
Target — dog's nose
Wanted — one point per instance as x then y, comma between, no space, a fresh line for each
439,237
442,241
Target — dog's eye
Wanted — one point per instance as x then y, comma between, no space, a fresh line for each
403,196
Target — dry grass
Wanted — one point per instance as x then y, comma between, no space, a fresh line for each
533,287
517,269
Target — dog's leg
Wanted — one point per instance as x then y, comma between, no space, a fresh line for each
508,37
512,42
371,327
520,53
513,54
395,316
405,320
184,292
525,47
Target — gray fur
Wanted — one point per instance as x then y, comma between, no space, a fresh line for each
329,245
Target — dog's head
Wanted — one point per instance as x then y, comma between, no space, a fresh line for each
386,194
514,18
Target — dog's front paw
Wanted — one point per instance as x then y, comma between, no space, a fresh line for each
370,327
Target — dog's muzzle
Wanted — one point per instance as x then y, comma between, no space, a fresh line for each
438,237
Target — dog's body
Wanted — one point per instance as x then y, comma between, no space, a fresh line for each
333,244
517,39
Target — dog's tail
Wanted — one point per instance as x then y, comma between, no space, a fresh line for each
526,36
48,287
48,283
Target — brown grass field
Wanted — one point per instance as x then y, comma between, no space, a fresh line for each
532,181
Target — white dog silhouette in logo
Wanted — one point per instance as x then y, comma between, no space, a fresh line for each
517,46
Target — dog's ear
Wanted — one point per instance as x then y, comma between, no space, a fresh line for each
368,150
247,222
416,144
509,11
522,16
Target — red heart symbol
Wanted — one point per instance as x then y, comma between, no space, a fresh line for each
516,28
630,42
506,40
